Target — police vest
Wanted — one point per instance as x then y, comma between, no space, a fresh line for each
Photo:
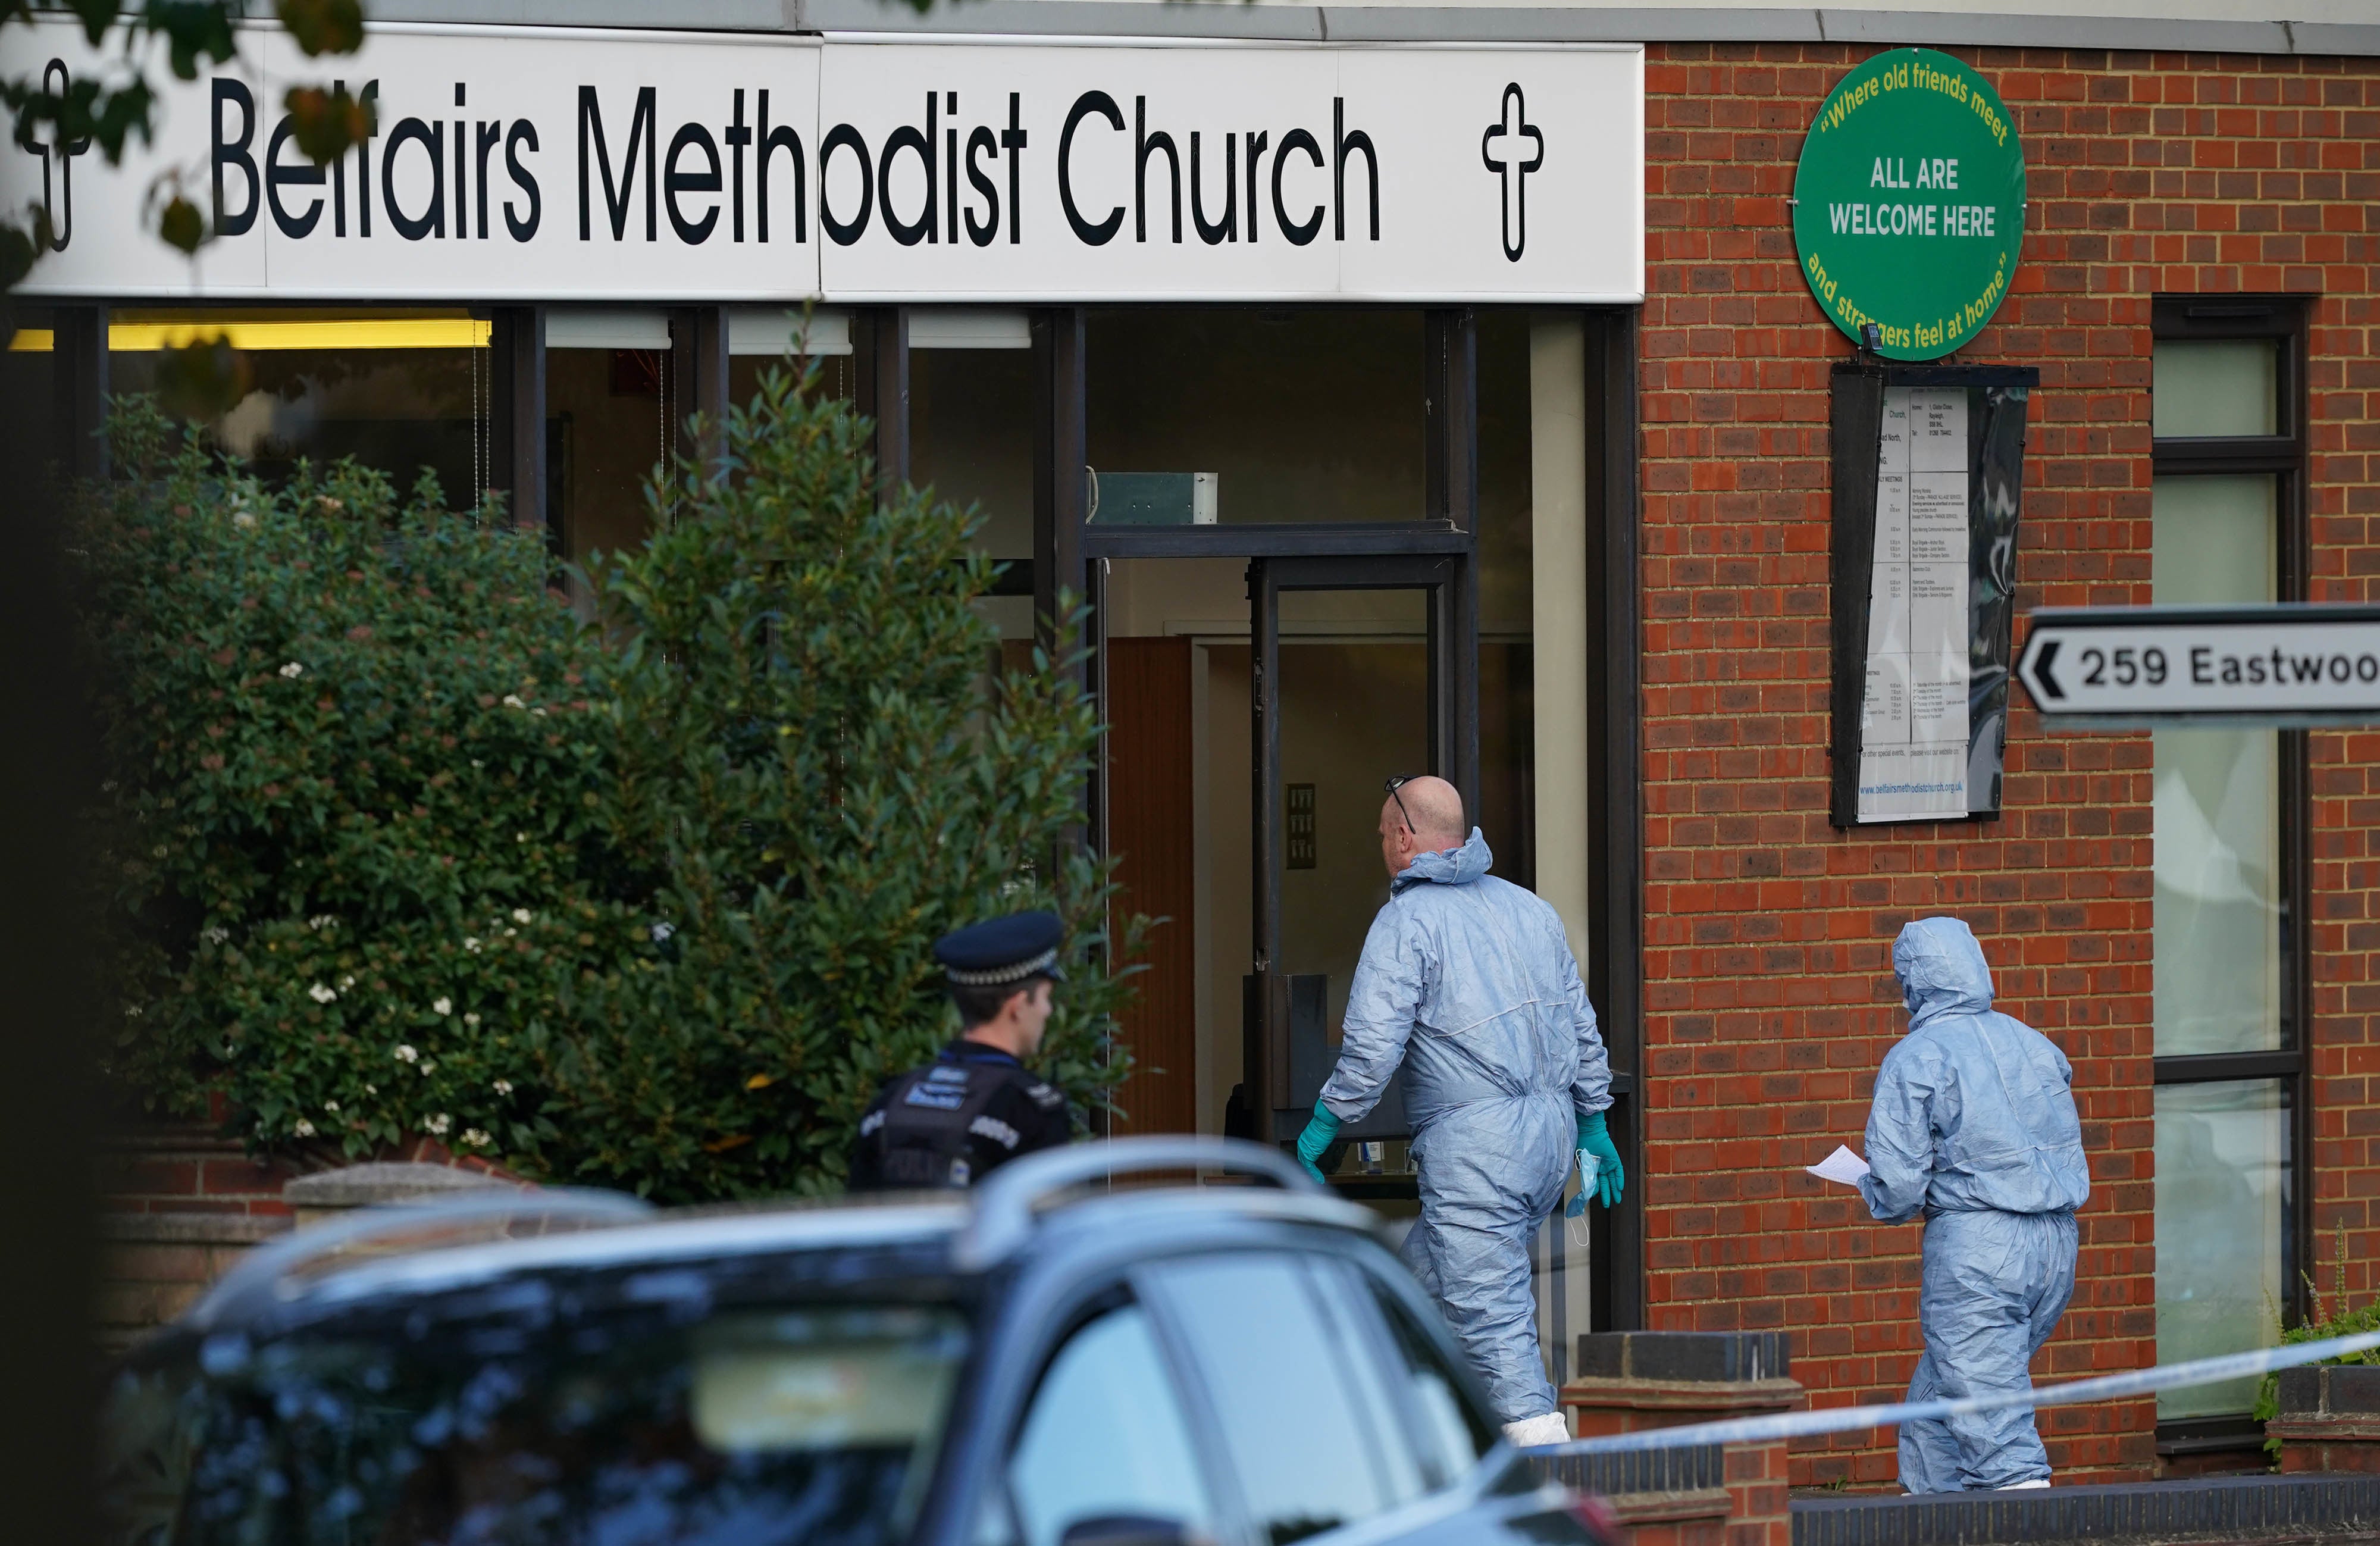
933,1128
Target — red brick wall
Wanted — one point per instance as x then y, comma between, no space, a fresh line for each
1769,998
180,1203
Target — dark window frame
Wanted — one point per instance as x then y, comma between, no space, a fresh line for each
1068,552
2283,320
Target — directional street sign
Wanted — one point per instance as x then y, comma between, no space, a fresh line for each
2293,664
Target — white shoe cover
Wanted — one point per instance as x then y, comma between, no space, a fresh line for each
2022,1486
1550,1429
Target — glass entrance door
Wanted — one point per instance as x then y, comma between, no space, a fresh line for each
1360,669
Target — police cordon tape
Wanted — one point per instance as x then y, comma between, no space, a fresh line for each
1849,1419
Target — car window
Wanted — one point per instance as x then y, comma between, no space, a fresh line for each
815,1424
1106,1435
1448,1429
1274,1362
1341,1298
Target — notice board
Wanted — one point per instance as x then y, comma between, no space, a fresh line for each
1928,478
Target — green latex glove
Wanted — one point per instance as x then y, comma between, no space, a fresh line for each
1315,1138
1609,1179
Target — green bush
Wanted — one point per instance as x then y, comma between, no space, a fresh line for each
816,766
352,791
394,844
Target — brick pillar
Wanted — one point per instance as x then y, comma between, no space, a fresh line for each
1630,1381
2329,1419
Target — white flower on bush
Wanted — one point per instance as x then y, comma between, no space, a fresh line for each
320,994
320,921
513,701
131,1011
303,1129
436,1126
471,943
371,1090
331,1106
218,935
347,982
428,1066
243,518
160,851
293,671
442,1005
522,915
502,1087
472,1019
475,1137
405,1053
661,932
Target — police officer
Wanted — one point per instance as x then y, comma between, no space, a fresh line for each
973,1107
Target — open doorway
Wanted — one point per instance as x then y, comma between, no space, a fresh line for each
1463,643
1355,680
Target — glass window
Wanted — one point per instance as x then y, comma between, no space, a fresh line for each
2217,386
759,338
1449,1431
971,394
400,391
2222,1206
1354,690
2221,928
1305,1446
610,400
1309,415
2217,810
1106,1435
816,1424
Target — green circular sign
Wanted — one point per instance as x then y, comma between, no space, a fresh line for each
1909,203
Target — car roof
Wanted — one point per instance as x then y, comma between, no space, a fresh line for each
398,1254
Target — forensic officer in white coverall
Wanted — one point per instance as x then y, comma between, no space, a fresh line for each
1468,982
1973,1128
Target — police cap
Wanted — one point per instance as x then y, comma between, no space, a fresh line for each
1002,951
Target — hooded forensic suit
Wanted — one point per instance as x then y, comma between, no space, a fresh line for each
1974,1127
1468,981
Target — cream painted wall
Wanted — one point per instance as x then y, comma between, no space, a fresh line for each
1557,612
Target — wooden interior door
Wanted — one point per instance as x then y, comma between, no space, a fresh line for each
1151,830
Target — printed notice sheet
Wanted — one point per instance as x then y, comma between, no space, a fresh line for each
1842,1165
1913,720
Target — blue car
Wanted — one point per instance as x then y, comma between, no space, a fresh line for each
1076,1353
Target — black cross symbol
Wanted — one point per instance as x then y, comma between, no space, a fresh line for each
61,230
1511,122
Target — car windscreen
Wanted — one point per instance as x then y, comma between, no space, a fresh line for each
812,1425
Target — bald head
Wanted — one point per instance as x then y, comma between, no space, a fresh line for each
1436,811
1435,821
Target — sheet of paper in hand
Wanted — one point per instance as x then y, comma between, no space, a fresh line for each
1842,1165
